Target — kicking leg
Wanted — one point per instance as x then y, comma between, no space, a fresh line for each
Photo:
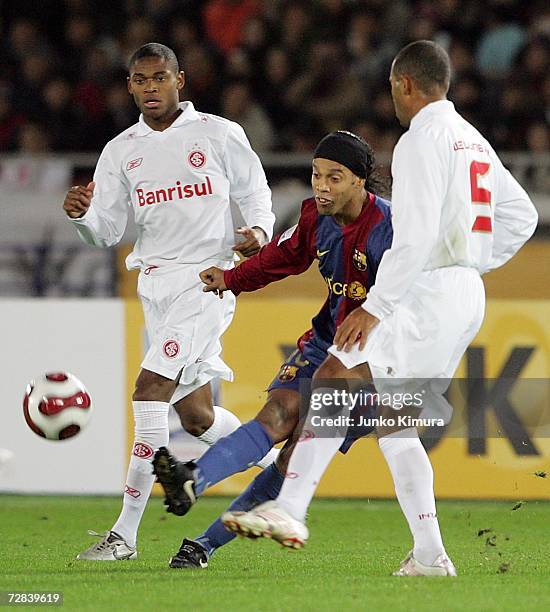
208,423
234,453
265,487
283,520
197,552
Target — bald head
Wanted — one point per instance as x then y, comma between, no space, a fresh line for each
427,64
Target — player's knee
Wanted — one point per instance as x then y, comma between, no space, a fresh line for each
279,416
196,411
329,369
197,419
152,387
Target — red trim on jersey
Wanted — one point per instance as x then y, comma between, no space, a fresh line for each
305,337
482,224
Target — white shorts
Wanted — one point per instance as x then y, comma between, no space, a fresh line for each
184,325
427,333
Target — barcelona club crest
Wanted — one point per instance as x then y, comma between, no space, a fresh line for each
287,373
359,260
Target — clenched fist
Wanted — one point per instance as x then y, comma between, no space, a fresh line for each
214,281
77,201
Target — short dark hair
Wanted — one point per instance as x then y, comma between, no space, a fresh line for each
427,63
155,50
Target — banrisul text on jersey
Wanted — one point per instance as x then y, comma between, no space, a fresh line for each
176,192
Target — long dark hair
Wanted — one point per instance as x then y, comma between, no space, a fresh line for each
376,182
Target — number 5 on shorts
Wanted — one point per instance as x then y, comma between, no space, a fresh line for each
480,195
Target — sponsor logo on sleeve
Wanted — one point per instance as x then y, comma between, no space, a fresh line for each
134,163
286,234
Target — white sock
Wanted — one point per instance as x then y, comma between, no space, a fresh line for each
412,475
308,462
151,432
225,422
270,458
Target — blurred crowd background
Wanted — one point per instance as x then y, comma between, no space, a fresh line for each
288,71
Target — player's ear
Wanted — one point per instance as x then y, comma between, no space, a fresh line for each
129,84
180,79
407,85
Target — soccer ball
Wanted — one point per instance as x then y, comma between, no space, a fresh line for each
57,406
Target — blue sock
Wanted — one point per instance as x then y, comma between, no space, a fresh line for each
234,453
264,487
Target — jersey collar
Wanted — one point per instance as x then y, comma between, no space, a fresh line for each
365,211
189,114
431,109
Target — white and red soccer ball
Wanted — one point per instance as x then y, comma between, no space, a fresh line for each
57,406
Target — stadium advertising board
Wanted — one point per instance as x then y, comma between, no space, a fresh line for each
512,354
86,338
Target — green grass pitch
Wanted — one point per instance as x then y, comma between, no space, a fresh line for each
354,546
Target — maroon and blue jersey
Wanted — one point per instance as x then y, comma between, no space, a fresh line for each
348,256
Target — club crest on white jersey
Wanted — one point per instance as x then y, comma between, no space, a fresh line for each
197,152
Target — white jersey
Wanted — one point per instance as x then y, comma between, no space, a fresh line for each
178,183
453,204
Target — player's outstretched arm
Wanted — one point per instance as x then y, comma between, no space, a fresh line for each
78,199
213,278
289,253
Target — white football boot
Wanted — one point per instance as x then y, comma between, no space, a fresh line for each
268,520
111,547
410,566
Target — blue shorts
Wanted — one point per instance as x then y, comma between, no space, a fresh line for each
296,374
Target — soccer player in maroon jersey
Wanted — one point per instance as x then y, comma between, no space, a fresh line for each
346,227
